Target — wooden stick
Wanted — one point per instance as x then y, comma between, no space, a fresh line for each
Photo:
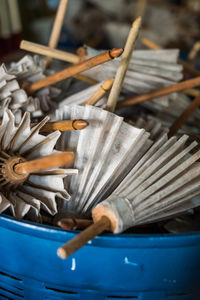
85,79
81,52
141,6
68,72
150,44
69,223
85,236
121,71
101,91
61,55
63,125
44,163
192,92
194,50
55,34
184,116
47,51
161,92
187,67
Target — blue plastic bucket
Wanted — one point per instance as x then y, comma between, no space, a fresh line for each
126,266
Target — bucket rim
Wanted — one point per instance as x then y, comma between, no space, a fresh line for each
53,233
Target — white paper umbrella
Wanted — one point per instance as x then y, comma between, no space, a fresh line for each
105,151
28,193
151,125
11,95
124,176
31,69
162,186
171,106
148,70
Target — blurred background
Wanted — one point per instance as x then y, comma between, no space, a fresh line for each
99,24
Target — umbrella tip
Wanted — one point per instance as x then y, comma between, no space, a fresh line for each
116,52
137,22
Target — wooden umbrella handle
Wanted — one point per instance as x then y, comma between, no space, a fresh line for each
71,223
85,236
100,92
47,51
195,49
63,125
150,44
184,116
141,7
44,163
75,69
58,54
161,92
